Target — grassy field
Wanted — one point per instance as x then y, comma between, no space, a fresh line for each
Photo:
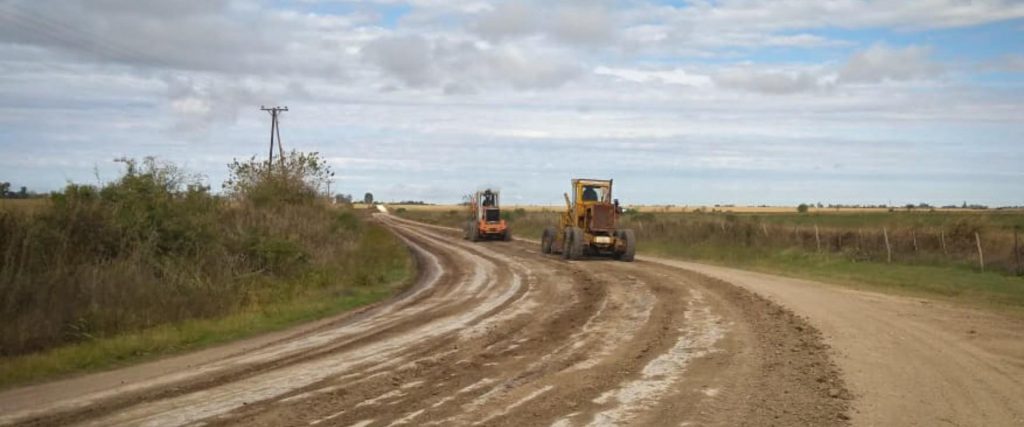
151,264
313,296
851,250
28,206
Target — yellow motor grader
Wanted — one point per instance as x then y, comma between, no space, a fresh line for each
589,226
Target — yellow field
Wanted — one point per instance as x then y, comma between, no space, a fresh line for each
28,205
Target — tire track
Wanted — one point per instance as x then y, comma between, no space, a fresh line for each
497,334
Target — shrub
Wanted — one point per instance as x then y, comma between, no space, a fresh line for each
155,247
296,179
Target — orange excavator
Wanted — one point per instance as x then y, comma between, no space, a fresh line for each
485,222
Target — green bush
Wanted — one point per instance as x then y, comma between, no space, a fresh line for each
276,255
346,220
156,247
297,179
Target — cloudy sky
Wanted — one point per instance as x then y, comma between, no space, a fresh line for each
683,102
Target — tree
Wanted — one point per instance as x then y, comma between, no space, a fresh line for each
296,180
5,187
368,198
803,208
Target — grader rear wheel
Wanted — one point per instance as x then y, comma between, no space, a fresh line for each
629,252
567,236
547,239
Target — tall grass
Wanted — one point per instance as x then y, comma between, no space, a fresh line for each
951,240
155,247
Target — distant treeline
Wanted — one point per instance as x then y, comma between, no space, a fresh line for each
22,193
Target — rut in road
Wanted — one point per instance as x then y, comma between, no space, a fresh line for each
497,334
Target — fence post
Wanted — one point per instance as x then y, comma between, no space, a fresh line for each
817,237
888,248
913,235
764,228
981,255
1016,250
942,238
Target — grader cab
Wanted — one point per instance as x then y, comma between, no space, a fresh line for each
485,218
590,224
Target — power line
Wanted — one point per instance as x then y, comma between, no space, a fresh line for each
275,129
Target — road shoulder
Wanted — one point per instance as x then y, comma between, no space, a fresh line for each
907,360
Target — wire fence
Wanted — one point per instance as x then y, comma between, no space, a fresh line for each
961,242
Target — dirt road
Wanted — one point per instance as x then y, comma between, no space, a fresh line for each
496,334
907,361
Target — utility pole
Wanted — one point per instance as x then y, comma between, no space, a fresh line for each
274,130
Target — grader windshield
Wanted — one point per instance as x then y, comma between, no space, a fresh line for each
592,191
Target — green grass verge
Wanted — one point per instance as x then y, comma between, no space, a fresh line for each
960,284
317,301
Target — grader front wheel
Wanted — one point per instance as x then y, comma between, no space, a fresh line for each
629,245
567,243
573,243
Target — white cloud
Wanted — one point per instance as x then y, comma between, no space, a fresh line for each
1012,63
508,19
190,35
583,23
768,82
771,15
877,64
800,40
577,23
409,58
199,104
463,66
697,27
881,63
667,76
